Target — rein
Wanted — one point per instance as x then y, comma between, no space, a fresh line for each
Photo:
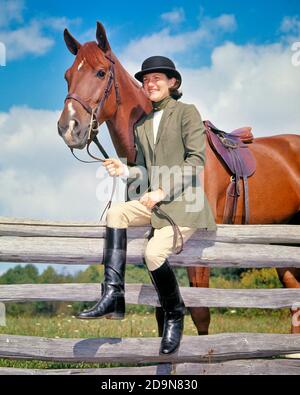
92,137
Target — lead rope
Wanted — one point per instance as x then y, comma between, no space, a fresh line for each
176,231
92,137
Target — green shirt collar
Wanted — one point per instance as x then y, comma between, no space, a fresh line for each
161,105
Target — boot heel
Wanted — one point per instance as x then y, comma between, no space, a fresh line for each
118,312
115,316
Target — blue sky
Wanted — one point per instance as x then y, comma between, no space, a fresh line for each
36,79
235,58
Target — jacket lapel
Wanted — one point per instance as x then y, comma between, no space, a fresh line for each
164,120
148,129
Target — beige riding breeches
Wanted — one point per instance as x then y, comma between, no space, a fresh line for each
159,247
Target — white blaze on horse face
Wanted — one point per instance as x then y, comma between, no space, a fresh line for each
71,125
81,64
71,109
68,136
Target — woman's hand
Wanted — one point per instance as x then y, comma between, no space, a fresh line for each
114,167
150,199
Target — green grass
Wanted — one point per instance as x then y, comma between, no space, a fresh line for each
134,325
140,320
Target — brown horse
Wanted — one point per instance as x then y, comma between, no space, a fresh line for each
99,87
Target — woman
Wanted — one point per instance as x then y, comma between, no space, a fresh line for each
170,147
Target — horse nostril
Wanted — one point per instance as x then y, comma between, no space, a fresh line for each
75,128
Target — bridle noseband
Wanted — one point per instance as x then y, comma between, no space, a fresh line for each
92,137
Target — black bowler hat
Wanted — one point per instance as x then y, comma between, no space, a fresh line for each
159,64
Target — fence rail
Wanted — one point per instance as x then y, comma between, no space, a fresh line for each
251,234
203,249
230,246
239,367
146,295
212,348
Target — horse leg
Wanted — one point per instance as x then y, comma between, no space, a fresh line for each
199,277
290,278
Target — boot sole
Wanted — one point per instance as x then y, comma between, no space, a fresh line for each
107,316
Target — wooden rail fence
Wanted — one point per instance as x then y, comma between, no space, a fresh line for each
250,246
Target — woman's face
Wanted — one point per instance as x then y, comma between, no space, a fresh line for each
157,85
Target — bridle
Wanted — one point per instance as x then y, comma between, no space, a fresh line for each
92,137
95,112
94,124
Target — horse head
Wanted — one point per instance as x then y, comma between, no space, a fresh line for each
100,90
92,88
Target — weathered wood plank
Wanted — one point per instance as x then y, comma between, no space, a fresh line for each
258,234
212,348
146,295
241,367
163,369
196,253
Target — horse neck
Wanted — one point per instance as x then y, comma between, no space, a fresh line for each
134,104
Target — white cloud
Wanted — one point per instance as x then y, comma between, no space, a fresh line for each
26,40
226,22
11,11
31,37
290,25
59,23
254,85
39,178
174,17
248,85
166,43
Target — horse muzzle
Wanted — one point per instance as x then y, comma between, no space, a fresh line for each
73,134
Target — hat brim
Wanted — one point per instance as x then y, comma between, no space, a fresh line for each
166,70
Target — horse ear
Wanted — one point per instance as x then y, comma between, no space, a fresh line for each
72,44
101,38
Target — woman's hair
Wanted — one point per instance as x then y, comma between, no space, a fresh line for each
175,93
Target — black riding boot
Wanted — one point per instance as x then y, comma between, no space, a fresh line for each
112,303
166,285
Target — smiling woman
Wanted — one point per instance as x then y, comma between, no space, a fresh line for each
161,78
91,90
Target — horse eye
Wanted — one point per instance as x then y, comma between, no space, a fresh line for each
101,74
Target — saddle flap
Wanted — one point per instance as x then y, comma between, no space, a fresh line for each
231,150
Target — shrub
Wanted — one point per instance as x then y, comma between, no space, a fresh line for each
260,278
